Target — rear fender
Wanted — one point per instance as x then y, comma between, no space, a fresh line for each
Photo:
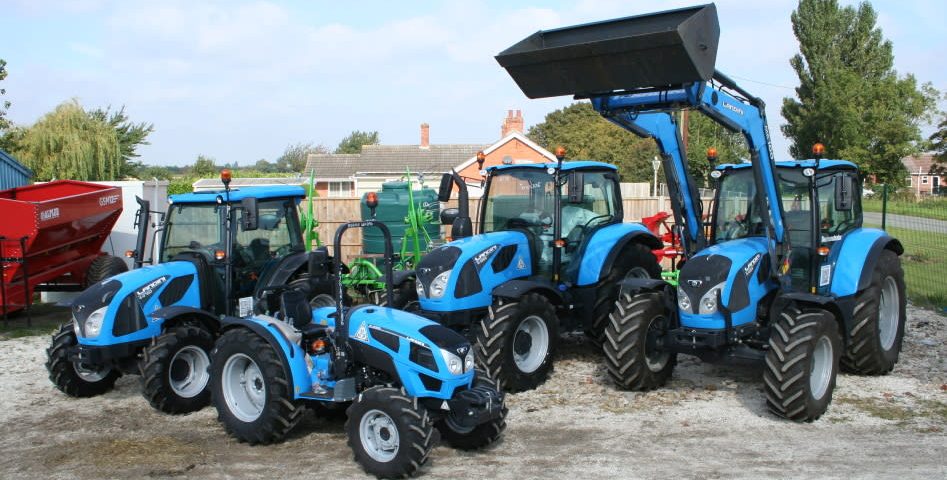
855,261
285,342
601,251
170,316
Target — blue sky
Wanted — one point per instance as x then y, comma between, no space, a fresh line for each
240,80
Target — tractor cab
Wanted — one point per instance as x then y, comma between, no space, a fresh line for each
195,230
522,198
814,233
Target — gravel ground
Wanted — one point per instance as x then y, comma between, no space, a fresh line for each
709,422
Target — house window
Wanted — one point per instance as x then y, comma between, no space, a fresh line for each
340,189
924,180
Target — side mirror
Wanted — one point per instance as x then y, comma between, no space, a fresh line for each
576,188
443,193
251,214
448,215
844,192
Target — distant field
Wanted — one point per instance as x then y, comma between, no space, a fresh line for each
925,266
932,208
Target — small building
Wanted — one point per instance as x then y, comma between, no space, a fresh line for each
12,173
210,184
923,178
352,175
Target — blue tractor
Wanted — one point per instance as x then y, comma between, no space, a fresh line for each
551,251
219,251
784,271
401,376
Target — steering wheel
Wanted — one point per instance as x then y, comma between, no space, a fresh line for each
282,251
734,229
588,223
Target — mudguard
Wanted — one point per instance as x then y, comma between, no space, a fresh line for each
401,276
281,273
169,314
132,297
603,248
841,308
643,284
517,288
281,337
854,262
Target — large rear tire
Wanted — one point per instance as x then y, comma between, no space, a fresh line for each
516,342
389,432
636,261
175,369
73,378
405,297
802,363
878,321
103,267
477,437
251,390
634,356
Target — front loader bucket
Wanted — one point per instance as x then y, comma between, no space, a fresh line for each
653,50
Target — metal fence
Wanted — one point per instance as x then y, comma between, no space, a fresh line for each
920,223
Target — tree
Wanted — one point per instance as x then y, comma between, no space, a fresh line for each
69,143
204,167
4,104
850,98
130,135
703,133
295,156
147,172
938,144
354,141
264,166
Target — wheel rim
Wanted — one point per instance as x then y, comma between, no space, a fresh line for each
635,272
244,390
188,373
656,357
89,373
888,313
530,344
821,373
379,435
322,300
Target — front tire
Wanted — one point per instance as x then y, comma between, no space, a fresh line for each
634,354
517,341
802,363
251,390
389,432
878,320
175,369
636,261
73,378
480,436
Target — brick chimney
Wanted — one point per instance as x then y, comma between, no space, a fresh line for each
512,123
425,136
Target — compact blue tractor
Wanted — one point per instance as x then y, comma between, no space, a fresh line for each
783,272
219,251
401,376
551,251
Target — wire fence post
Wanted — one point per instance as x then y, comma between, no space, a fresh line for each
884,204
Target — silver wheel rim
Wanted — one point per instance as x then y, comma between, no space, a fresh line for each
379,435
90,374
888,313
821,373
635,272
244,390
322,300
188,371
532,333
656,359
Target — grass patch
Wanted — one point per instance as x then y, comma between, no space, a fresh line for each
46,318
896,411
925,266
935,208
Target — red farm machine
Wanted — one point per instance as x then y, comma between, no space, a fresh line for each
51,236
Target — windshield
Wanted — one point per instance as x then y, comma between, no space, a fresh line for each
738,208
518,198
192,227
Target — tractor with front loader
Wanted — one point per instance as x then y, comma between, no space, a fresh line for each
219,251
785,273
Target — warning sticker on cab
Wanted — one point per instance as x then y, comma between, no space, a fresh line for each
246,306
825,275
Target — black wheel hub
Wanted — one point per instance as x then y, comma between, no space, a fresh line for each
179,370
522,342
654,341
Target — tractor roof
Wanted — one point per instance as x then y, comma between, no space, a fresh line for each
566,166
238,194
809,163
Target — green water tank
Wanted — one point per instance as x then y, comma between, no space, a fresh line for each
392,209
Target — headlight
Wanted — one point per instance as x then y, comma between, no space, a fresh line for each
439,285
683,301
419,288
93,324
708,303
454,364
469,360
